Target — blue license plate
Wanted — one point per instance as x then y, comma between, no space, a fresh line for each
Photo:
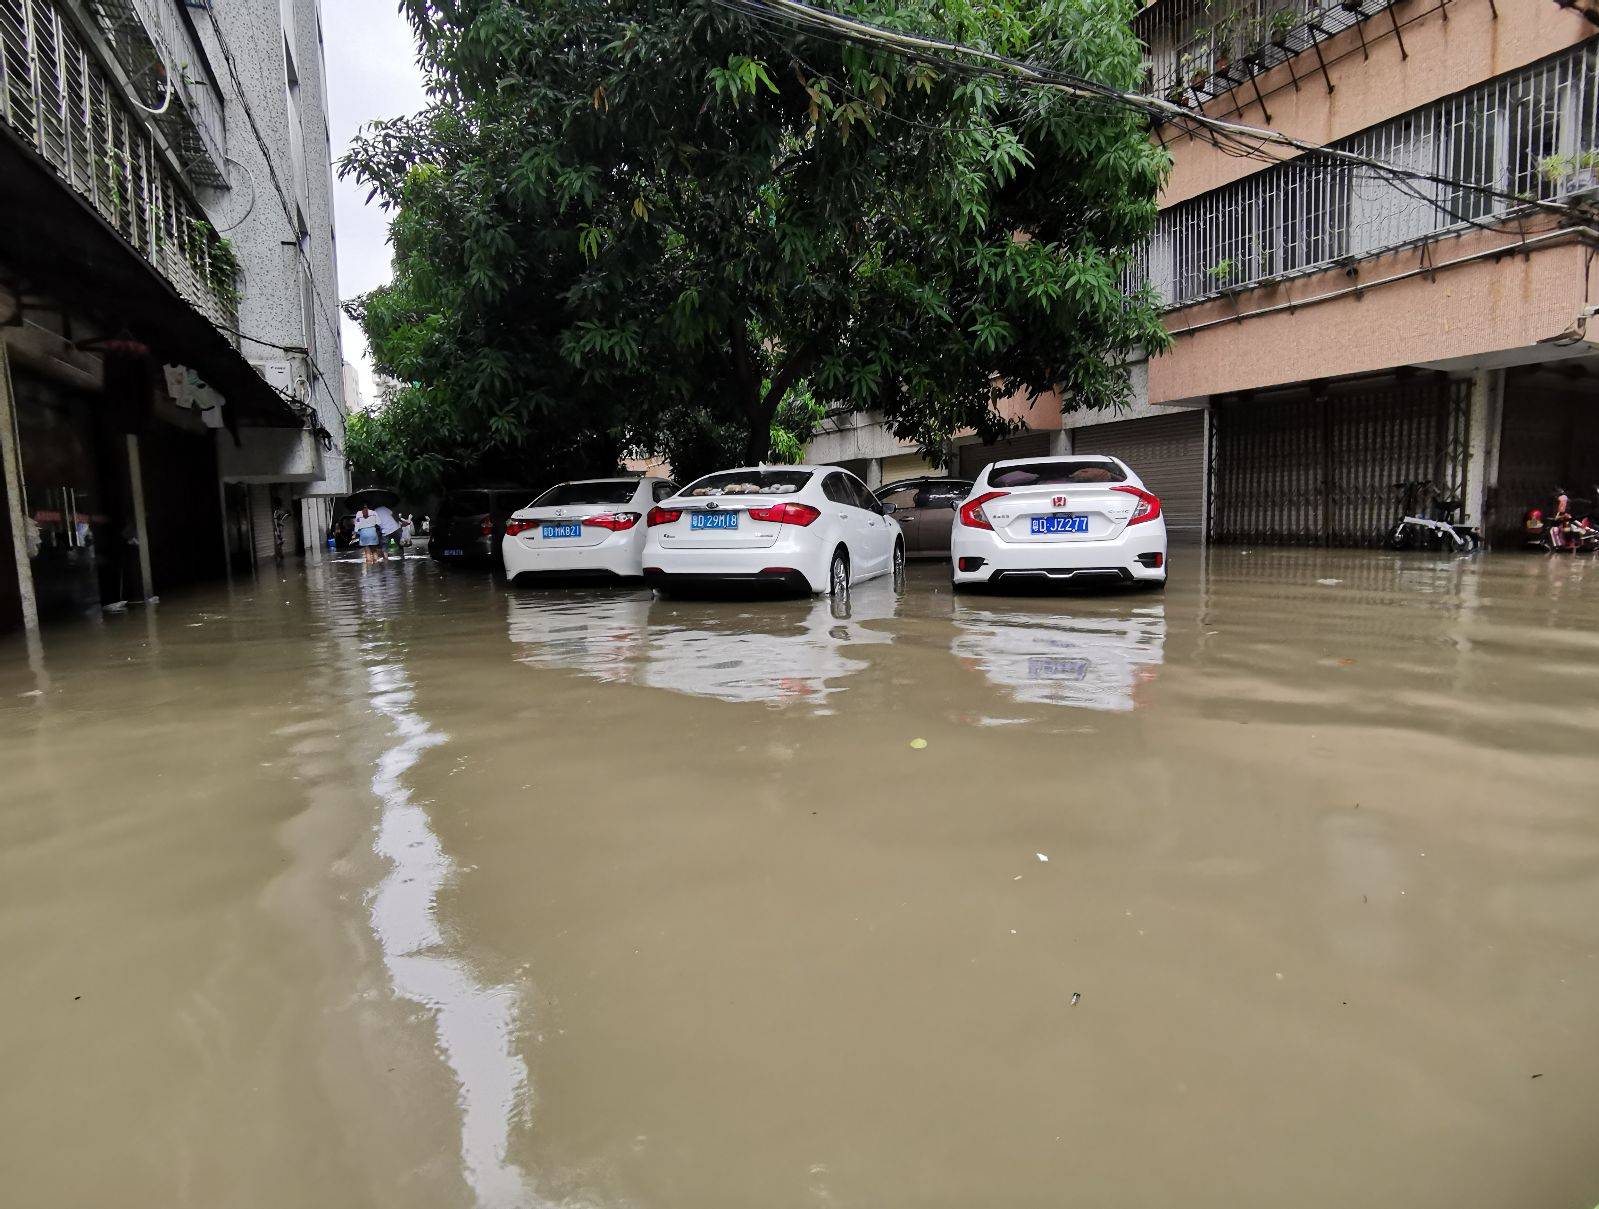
1055,667
451,553
573,529
1068,522
713,520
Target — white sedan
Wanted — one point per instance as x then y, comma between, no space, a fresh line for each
806,528
1080,519
582,528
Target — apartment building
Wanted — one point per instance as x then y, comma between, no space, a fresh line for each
1340,331
170,364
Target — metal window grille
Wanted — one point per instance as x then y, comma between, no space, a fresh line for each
55,95
1197,49
1533,133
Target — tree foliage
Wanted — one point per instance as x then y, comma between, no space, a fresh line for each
684,228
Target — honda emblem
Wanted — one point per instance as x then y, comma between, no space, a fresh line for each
1058,502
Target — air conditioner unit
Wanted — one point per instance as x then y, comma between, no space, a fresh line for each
279,375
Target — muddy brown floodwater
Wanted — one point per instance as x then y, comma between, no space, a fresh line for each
395,888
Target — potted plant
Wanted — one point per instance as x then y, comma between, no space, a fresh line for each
1220,272
1585,172
1223,41
1358,7
1257,38
1280,25
1315,16
1196,73
1177,94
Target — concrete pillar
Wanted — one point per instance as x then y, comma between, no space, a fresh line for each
1484,426
1060,442
874,473
11,470
140,528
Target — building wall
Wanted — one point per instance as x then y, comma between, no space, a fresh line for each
1493,308
278,211
1444,53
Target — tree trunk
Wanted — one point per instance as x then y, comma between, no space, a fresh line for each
758,440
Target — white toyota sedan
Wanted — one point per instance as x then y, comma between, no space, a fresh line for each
590,527
805,528
1080,519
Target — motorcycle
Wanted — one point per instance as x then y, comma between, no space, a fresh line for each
1573,535
1426,521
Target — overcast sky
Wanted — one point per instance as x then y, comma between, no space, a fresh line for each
372,73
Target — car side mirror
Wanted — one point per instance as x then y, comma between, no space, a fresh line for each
887,509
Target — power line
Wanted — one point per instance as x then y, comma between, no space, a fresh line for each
1244,139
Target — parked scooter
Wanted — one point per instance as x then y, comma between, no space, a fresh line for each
1426,521
1562,531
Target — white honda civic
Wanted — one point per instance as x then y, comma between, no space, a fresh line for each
582,528
1082,519
806,528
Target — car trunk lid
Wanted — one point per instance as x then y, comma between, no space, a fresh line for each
1055,513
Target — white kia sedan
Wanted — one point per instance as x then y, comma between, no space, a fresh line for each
591,527
1068,519
804,528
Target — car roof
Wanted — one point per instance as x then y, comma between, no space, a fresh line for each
1057,457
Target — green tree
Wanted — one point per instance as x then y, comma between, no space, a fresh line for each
692,229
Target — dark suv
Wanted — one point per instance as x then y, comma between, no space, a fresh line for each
470,524
925,510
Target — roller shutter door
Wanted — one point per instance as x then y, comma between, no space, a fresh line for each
261,521
975,456
1168,453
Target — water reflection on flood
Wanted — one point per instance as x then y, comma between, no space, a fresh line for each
776,652
1069,653
476,1023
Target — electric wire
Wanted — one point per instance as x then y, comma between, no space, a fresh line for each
1247,140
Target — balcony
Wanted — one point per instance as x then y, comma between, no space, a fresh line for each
1197,50
57,98
155,45
1532,134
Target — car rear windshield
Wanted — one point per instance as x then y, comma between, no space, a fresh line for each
467,503
750,482
1046,473
613,491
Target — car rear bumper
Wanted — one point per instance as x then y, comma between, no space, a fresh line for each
787,580
791,561
1127,558
618,556
446,550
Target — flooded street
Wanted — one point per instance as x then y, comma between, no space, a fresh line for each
396,888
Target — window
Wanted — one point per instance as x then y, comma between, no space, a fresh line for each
750,482
902,497
860,494
836,489
664,490
1033,474
466,503
611,491
942,493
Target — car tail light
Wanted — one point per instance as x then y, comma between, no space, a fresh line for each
517,525
971,512
1148,508
616,522
486,526
663,516
786,514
